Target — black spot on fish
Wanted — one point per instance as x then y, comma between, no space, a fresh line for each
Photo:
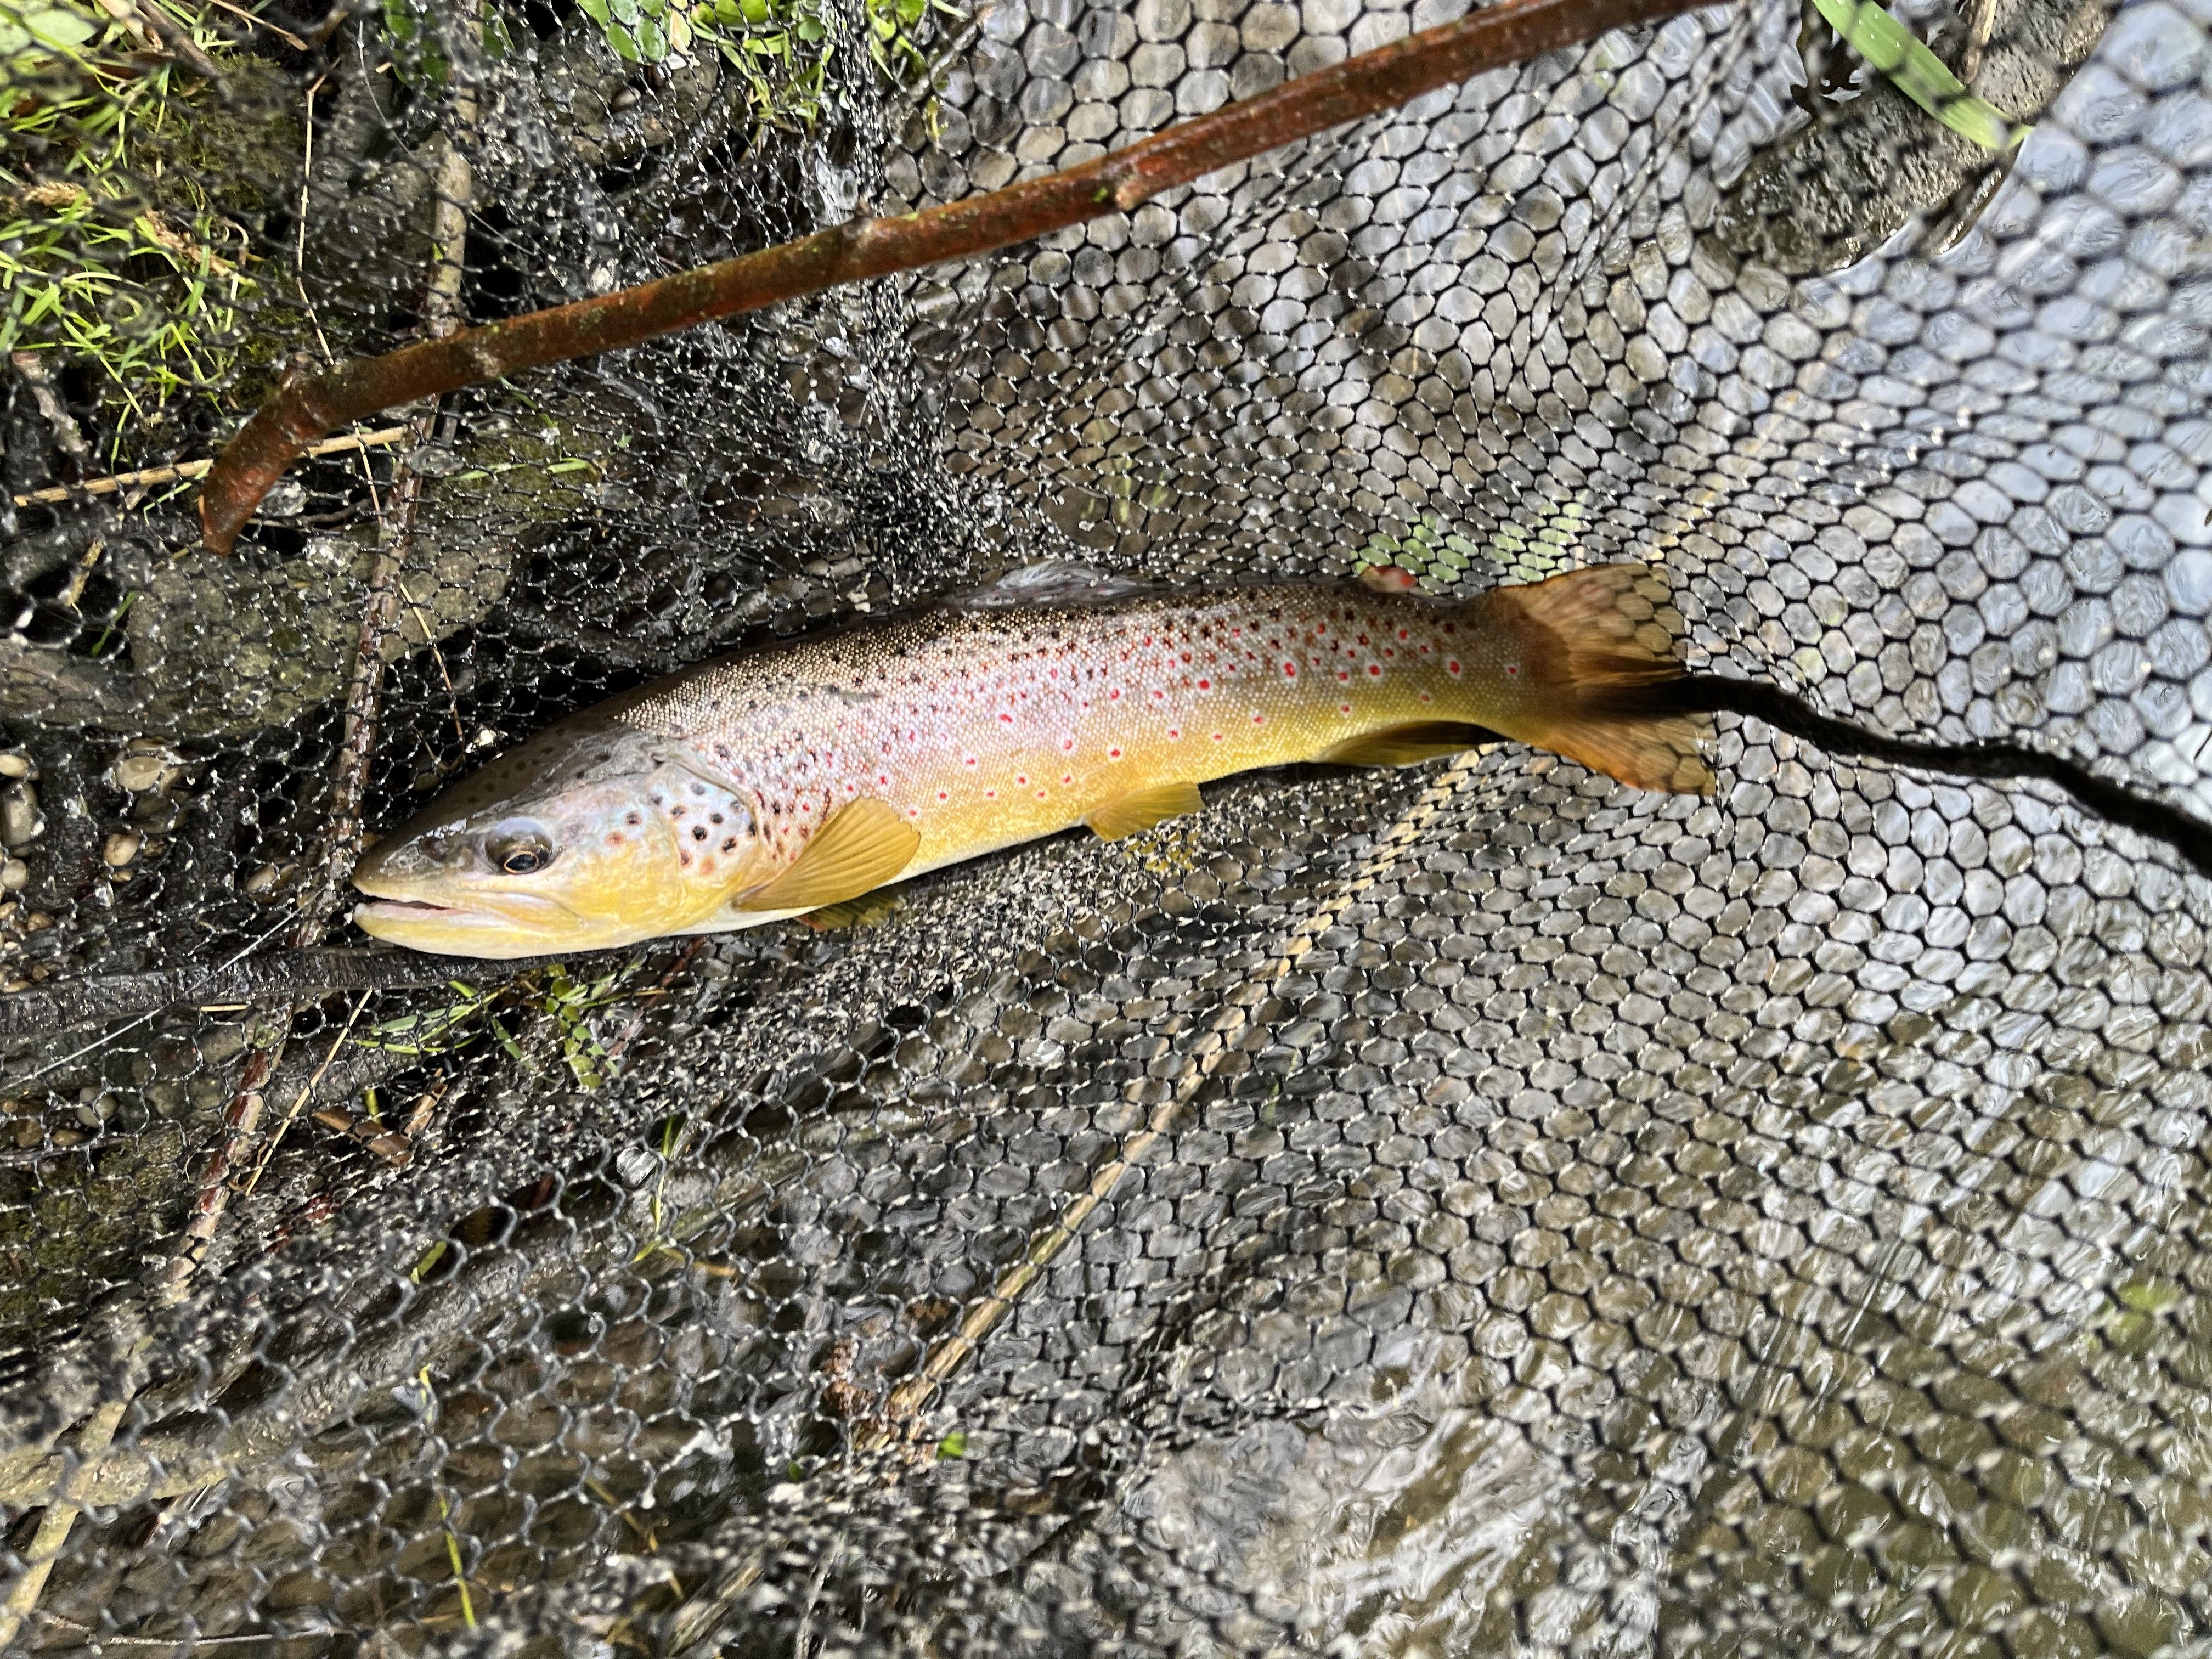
699,832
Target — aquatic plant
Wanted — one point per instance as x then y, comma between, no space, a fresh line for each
122,177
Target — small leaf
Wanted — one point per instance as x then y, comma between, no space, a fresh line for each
1918,73
954,1444
621,40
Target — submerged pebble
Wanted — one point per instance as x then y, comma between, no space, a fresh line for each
20,821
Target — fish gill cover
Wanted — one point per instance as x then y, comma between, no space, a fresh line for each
1473,1209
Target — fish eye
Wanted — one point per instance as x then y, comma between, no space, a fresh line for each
519,847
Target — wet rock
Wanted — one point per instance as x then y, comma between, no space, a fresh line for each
19,818
120,849
1834,190
146,765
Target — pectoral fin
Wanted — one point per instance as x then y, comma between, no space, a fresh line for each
862,847
1405,745
1125,814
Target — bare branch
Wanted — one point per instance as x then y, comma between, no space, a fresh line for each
184,470
305,407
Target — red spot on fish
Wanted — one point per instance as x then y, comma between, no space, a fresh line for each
1452,667
941,795
1259,719
1203,685
1114,695
1068,746
1217,737
1290,671
1512,671
1375,670
1175,734
1116,753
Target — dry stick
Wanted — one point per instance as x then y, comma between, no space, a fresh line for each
1204,1057
240,1125
149,24
33,369
304,406
54,1525
184,470
1981,17
238,11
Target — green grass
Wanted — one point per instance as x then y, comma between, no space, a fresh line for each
475,1014
784,48
112,252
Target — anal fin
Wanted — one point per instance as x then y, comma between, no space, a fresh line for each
1141,809
1407,744
860,847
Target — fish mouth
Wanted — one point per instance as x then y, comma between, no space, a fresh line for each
502,925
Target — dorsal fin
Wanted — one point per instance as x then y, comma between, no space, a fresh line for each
1049,581
863,846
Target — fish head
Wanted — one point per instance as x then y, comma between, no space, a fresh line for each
589,837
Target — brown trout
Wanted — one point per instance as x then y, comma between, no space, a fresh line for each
776,783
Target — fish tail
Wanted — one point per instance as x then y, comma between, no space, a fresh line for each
1600,645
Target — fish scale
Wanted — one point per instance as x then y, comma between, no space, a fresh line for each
765,784
987,729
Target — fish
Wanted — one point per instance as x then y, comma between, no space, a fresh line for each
779,782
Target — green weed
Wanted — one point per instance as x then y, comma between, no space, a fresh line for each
113,253
783,48
475,1014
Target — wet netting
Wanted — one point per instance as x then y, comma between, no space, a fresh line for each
1474,1208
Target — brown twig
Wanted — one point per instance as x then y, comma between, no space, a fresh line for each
67,437
238,11
385,1145
184,470
1981,17
150,25
305,407
240,1125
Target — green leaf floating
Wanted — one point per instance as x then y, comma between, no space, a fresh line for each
1894,50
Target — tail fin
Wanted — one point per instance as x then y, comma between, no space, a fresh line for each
1608,647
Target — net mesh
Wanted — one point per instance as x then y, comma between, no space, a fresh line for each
1479,1208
